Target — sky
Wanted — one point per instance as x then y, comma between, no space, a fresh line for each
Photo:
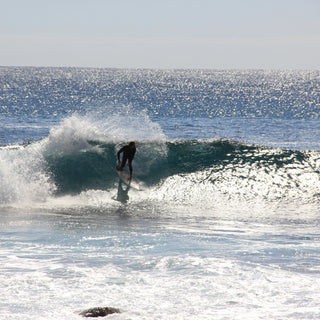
161,34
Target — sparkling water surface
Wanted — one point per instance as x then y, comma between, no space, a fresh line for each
234,239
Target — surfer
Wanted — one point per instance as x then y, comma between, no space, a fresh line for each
128,154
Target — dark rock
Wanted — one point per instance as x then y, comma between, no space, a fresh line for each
99,312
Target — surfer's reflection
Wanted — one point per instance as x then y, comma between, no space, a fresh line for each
123,190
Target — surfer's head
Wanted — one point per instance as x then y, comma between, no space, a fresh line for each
132,144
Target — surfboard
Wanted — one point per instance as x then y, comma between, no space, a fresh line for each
133,183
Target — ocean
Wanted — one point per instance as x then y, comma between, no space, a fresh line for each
226,227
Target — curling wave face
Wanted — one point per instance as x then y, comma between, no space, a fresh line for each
73,160
217,165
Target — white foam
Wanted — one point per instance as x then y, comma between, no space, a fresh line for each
155,273
23,176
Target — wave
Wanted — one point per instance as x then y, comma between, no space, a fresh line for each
235,168
78,156
201,170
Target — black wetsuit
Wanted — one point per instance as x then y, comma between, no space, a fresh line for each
128,154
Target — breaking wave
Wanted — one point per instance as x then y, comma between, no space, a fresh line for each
80,155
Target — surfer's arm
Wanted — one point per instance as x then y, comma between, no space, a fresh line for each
118,154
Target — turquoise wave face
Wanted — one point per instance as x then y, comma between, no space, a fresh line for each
178,170
212,161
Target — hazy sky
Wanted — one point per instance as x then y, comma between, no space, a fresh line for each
268,34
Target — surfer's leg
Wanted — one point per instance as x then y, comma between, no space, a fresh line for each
123,163
130,167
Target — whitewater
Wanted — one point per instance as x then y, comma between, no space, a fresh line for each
227,226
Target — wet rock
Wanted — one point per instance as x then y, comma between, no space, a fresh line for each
99,312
